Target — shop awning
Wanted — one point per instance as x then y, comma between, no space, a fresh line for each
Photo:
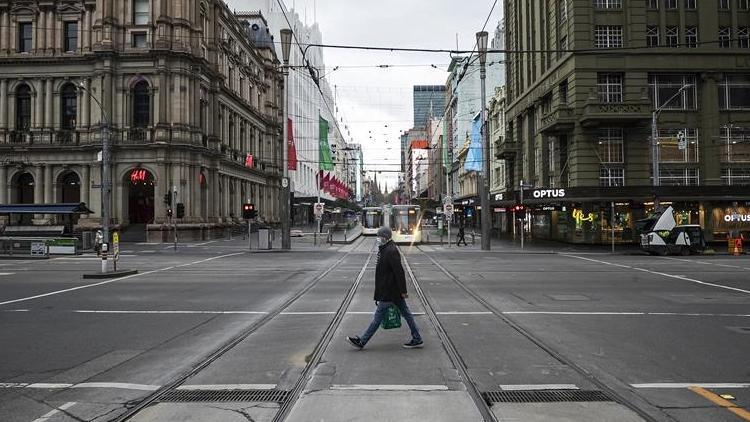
76,208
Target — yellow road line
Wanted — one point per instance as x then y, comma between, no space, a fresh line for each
742,413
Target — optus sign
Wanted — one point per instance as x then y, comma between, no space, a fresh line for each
736,218
548,193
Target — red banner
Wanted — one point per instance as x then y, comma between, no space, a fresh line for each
249,161
291,149
326,183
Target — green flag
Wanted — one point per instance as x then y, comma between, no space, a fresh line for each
325,150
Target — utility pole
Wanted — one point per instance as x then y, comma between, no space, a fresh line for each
173,205
485,191
286,240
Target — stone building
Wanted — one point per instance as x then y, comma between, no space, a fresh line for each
580,95
191,94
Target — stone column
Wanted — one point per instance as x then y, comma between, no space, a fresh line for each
50,44
39,190
49,122
87,24
3,31
86,115
48,185
3,184
3,104
39,32
213,195
37,121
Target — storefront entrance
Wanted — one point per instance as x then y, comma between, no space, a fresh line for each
140,183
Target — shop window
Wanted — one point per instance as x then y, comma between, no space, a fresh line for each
71,36
734,92
611,176
611,146
679,177
652,36
672,36
735,144
608,36
691,37
609,86
663,88
678,145
23,108
25,37
736,176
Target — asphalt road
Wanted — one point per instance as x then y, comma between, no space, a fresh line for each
662,338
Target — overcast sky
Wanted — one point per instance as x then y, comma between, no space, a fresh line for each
376,103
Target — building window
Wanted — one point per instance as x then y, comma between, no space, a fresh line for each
71,36
743,4
743,37
611,176
563,10
140,40
665,88
608,4
691,37
679,177
25,34
736,144
690,4
670,4
23,108
725,37
672,36
724,4
736,176
68,107
734,92
611,146
608,36
652,4
609,86
652,36
141,12
141,105
563,44
678,145
564,92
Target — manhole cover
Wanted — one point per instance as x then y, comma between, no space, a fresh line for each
544,396
178,396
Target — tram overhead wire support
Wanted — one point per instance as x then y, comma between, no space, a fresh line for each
482,38
286,240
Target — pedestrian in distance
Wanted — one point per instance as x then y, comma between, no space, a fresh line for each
461,236
390,289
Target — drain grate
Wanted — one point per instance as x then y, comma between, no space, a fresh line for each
177,396
544,396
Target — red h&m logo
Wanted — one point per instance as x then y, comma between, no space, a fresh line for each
138,176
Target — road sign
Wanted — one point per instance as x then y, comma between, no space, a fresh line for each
38,249
448,200
448,210
681,140
318,209
116,245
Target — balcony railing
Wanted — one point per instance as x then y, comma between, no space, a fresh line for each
561,119
138,135
597,113
505,148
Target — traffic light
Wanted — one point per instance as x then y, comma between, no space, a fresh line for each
519,208
168,198
249,212
169,212
180,210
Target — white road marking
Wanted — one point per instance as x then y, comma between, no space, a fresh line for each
625,313
464,313
679,277
309,313
117,385
706,263
530,387
693,384
47,416
16,310
1,274
87,311
13,384
389,387
232,387
148,251
48,386
110,281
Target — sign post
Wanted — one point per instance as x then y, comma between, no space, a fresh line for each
523,211
448,215
318,209
115,248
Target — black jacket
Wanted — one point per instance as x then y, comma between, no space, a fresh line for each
390,280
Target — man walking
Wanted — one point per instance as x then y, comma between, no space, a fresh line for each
461,235
390,289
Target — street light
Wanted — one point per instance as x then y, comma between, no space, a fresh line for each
286,240
106,176
482,38
655,141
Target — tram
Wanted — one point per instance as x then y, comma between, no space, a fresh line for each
406,223
372,220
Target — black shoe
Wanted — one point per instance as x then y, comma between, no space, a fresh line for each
413,344
355,342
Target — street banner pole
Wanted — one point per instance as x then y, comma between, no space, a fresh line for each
612,223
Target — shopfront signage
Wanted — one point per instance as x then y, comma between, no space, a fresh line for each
736,218
580,217
499,197
548,193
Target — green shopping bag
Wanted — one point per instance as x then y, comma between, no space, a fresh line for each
392,318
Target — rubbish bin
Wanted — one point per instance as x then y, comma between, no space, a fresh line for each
264,238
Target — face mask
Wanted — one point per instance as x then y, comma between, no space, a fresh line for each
379,241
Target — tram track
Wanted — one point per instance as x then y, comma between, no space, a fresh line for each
472,387
315,357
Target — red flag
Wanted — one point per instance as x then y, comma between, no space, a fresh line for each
326,183
291,149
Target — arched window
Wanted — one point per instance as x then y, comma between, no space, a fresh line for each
23,108
68,107
141,105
